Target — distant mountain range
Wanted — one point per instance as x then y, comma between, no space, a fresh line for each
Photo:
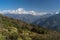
29,18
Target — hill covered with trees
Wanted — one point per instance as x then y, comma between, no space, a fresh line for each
13,29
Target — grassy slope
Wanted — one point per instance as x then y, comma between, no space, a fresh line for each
12,29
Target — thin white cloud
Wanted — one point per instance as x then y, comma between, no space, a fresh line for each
23,11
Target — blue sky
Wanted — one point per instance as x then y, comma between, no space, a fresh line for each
37,5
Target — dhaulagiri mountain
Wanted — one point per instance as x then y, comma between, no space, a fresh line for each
52,22
14,29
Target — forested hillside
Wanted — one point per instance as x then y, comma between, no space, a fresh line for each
12,29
